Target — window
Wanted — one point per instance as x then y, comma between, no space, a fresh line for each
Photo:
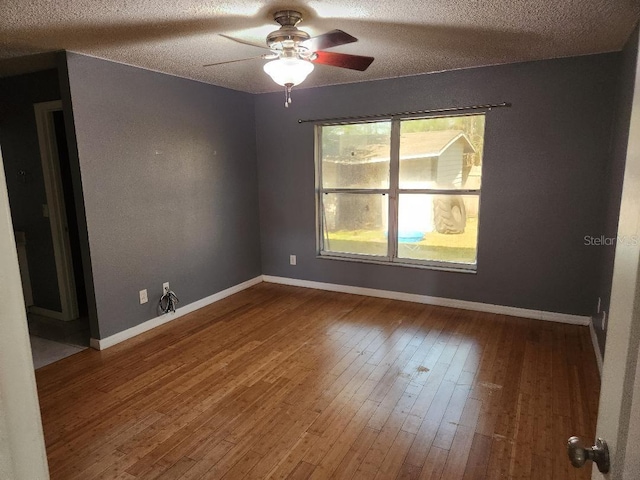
402,191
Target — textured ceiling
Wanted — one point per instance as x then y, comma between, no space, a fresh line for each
406,37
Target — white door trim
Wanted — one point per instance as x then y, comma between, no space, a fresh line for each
596,346
57,211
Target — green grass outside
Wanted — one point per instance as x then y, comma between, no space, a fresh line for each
434,246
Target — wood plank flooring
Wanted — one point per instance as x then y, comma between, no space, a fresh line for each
284,382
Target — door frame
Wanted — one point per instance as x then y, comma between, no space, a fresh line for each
57,212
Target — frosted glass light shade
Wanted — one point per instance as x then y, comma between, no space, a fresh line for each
286,71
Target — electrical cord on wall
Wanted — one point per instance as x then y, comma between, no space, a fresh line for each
168,302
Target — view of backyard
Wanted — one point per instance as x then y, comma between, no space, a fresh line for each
438,184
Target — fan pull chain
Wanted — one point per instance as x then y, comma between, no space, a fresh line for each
287,94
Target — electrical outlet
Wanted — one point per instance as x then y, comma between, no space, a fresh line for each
599,304
143,296
165,287
292,260
604,320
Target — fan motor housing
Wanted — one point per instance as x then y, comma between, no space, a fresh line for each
287,18
288,36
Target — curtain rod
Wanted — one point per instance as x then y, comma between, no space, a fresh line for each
417,112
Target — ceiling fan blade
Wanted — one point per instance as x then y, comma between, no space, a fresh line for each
244,42
330,39
265,56
343,60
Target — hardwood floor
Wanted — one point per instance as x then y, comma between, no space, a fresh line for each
285,382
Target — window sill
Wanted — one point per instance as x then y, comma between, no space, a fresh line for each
454,268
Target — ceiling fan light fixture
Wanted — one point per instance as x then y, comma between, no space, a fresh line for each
297,50
288,71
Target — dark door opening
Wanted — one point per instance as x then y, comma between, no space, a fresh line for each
70,207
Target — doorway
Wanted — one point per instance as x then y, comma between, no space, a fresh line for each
55,332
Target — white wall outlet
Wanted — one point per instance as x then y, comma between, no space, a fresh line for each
45,210
143,296
604,320
292,260
599,304
165,287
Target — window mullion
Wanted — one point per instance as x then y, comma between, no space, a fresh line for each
381,191
440,191
320,220
394,176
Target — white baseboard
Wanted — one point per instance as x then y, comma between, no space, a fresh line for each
443,302
596,346
101,344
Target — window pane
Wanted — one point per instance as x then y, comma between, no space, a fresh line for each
442,228
355,223
442,153
356,156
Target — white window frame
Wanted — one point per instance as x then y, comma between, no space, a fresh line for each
393,192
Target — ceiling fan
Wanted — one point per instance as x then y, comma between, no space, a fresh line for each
293,52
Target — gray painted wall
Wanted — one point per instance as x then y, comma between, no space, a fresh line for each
169,179
78,194
615,172
21,152
544,162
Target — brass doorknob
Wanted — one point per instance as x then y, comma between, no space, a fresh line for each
598,454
